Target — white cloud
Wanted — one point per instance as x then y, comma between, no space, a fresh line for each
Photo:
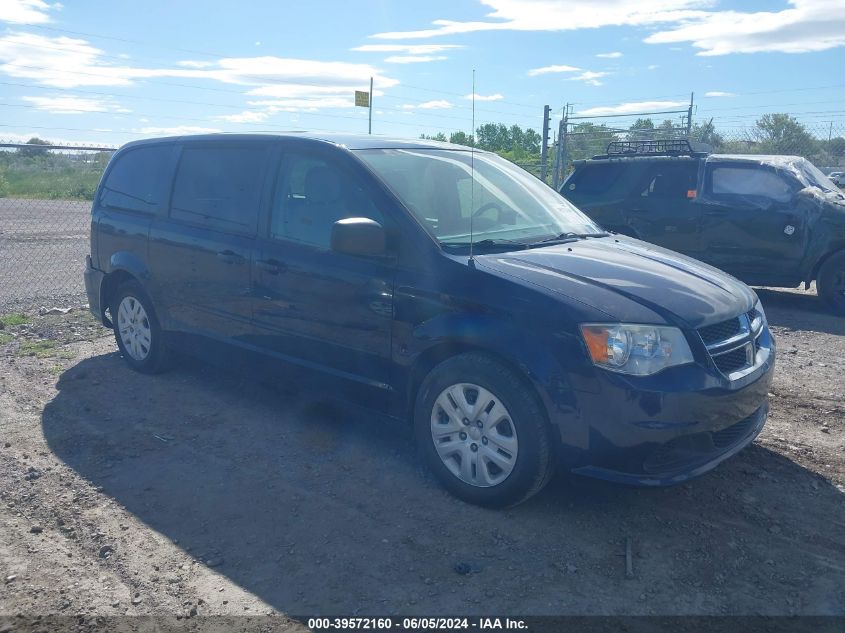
58,104
719,93
560,15
632,107
305,105
247,116
190,63
408,49
179,130
806,26
589,77
26,11
301,84
413,59
653,67
803,26
613,55
438,104
478,97
552,69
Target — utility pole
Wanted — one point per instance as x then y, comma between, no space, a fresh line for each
544,152
371,107
689,114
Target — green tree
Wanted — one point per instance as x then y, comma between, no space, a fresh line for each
706,133
461,138
34,151
440,136
783,134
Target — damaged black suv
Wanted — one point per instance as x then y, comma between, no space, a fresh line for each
768,220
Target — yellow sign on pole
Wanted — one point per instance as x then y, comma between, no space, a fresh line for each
362,99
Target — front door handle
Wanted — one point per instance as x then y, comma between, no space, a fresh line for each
230,257
271,266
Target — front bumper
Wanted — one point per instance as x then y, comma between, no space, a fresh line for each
668,428
687,456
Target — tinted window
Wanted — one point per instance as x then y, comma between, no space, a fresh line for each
749,181
594,179
313,193
219,187
670,181
136,180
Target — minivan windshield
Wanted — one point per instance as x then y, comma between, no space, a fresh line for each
447,190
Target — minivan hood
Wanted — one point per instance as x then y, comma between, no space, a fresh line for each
628,280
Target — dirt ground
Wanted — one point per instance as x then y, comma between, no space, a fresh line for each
203,491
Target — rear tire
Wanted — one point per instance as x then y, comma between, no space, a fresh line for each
137,331
831,282
482,431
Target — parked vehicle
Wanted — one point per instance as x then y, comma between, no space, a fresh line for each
440,285
837,177
767,220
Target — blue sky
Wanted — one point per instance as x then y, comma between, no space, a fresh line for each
108,73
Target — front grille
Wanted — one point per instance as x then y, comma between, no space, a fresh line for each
720,331
732,361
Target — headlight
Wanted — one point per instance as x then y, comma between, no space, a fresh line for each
639,350
758,317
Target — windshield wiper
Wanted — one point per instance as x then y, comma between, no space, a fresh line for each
487,244
569,236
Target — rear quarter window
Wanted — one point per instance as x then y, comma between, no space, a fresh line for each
593,179
138,179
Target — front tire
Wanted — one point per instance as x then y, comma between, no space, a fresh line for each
482,431
137,331
831,282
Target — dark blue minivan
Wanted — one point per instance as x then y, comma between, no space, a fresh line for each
440,285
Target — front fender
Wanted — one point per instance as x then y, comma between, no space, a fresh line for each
553,364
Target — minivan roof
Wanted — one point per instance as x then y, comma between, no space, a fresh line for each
349,141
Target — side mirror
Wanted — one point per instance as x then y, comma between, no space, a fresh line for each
358,236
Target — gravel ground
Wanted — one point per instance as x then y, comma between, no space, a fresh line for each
205,492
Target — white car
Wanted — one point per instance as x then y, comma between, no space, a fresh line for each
838,177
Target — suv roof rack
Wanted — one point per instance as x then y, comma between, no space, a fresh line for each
653,147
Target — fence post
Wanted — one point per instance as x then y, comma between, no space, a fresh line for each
544,152
560,155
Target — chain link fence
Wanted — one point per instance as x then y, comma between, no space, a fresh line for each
46,193
45,206
823,144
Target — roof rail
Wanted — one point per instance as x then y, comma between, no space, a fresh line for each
652,147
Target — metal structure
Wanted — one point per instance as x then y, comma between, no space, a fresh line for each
571,127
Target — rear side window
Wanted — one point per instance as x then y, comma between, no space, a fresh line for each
750,181
594,179
136,182
671,181
219,187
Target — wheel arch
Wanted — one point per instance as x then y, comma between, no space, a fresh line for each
835,249
111,282
437,354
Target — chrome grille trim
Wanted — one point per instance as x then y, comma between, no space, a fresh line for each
746,339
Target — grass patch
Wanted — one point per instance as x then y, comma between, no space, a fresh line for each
5,337
40,349
14,318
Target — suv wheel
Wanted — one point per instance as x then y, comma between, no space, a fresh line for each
831,282
482,431
136,329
